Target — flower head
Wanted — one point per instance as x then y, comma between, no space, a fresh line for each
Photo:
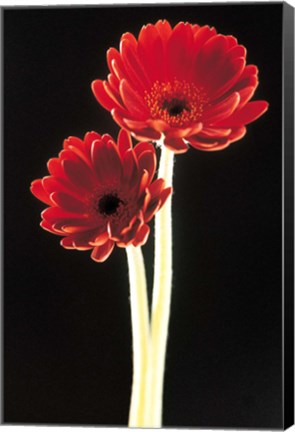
186,84
101,193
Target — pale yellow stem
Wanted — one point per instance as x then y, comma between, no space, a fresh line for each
161,298
140,335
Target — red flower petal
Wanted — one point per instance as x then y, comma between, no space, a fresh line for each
88,140
101,95
177,145
164,29
223,109
198,143
156,200
156,187
79,242
37,189
124,141
180,55
158,125
215,132
141,235
165,194
78,148
132,100
143,182
54,214
55,168
76,229
150,52
201,36
68,203
210,58
151,209
143,147
147,133
101,253
67,243
247,79
129,38
134,124
147,161
128,236
100,239
114,95
51,228
133,65
73,143
52,184
78,174
245,95
217,142
80,246
237,133
140,134
106,160
119,116
178,132
247,114
133,224
227,78
82,240
114,84
216,147
196,128
114,57
130,168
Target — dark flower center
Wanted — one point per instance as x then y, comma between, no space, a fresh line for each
108,204
174,106
180,104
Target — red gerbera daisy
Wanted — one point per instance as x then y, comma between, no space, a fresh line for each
188,85
100,193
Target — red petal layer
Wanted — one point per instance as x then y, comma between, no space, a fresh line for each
247,114
130,168
141,236
102,96
177,145
37,189
133,65
221,110
164,29
133,101
78,175
57,214
180,54
124,141
68,203
147,161
101,253
150,52
106,161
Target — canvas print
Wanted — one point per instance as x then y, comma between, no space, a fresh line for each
143,223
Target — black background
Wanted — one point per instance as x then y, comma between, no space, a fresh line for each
67,335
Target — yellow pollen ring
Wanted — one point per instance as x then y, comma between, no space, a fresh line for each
192,98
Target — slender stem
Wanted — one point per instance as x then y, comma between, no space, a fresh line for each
161,296
140,334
